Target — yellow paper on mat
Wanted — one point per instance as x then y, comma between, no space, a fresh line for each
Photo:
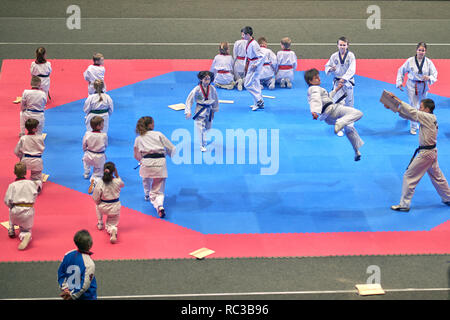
44,135
201,253
6,225
44,177
369,289
178,106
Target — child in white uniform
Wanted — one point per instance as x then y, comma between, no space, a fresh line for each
269,68
426,159
19,198
98,104
204,97
106,196
324,108
421,74
29,149
95,71
254,60
42,68
95,143
287,64
222,67
239,62
150,149
33,105
342,66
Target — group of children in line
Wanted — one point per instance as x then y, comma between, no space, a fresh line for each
253,66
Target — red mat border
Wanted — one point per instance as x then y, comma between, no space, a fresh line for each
61,211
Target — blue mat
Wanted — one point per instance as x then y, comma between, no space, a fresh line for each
315,186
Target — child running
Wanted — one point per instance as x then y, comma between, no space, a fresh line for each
204,97
150,149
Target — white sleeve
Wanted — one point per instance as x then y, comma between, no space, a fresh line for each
190,101
315,99
433,72
401,73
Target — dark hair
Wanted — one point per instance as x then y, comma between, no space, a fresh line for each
142,125
310,74
40,55
421,44
31,124
83,240
203,74
428,103
247,30
108,172
343,39
96,121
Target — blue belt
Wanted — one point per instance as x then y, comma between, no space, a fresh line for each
204,106
110,201
32,156
34,110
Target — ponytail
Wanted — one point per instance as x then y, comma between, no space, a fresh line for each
40,55
98,86
108,172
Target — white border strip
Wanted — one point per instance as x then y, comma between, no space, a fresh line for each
192,295
227,19
205,44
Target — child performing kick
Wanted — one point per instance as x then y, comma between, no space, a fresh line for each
424,159
150,149
106,196
204,96
333,113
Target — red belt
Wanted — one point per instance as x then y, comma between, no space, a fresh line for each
240,58
285,67
266,64
415,86
247,63
223,71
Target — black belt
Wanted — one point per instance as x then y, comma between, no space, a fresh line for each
154,155
337,79
417,150
110,201
98,152
325,106
32,156
43,75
